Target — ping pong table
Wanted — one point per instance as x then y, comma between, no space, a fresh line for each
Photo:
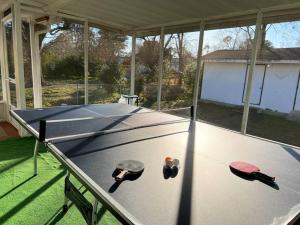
92,139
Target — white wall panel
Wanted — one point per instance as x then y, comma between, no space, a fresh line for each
223,82
257,85
280,87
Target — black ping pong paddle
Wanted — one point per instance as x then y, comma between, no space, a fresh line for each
129,167
250,170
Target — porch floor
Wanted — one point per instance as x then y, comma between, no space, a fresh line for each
7,131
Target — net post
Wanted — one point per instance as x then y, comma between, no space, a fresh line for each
42,131
192,111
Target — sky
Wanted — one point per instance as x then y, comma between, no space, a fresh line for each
281,35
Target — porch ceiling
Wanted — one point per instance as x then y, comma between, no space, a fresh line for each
149,15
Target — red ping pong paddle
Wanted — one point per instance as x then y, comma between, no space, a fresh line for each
250,170
129,167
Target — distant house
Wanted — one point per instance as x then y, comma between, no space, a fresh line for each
275,83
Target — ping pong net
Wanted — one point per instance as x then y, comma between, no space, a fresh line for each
84,127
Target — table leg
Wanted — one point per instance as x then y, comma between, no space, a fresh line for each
66,200
94,215
36,150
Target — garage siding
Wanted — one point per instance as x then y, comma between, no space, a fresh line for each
224,82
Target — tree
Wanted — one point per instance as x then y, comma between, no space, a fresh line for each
66,40
108,46
105,48
148,56
110,74
241,38
180,49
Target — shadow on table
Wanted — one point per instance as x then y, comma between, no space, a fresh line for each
292,152
76,148
273,185
185,204
129,177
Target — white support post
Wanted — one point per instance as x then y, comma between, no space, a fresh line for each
132,77
2,61
198,70
18,55
255,46
86,62
36,67
161,65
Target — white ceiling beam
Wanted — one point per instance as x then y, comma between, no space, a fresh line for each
78,16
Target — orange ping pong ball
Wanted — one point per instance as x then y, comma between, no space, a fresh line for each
168,158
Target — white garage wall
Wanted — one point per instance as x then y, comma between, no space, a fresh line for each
297,105
257,84
223,82
280,87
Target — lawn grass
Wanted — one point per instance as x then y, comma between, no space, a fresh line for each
72,94
27,199
263,125
273,127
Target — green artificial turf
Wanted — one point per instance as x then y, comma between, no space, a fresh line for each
27,199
